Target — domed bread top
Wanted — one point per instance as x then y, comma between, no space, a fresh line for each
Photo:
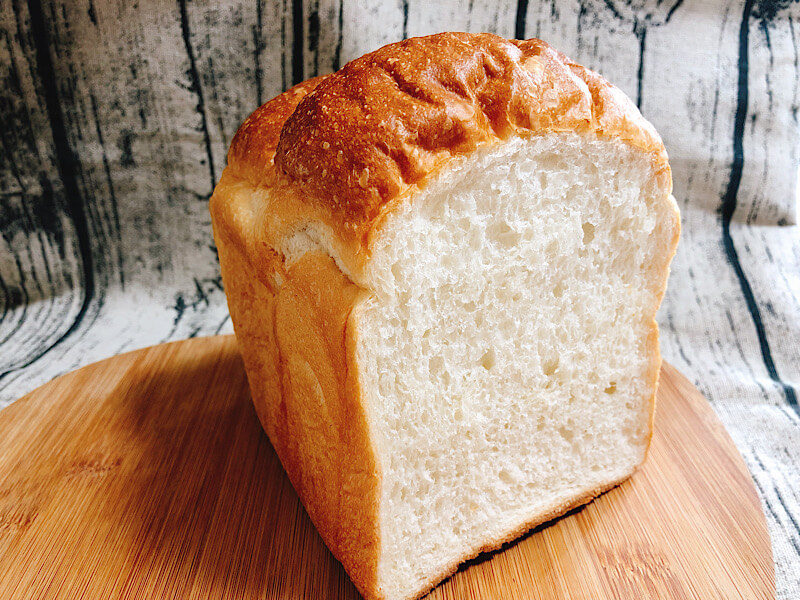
253,148
349,143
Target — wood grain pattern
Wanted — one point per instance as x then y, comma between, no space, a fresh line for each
148,476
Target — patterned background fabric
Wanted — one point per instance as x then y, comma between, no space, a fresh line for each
115,118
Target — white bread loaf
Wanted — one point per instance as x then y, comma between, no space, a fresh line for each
443,264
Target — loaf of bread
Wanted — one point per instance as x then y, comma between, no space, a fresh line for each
443,264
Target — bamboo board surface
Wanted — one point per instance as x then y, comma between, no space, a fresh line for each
147,475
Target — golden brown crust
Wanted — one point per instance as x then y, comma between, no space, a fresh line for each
297,339
253,147
352,142
661,268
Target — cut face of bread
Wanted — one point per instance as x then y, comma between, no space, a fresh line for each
508,355
443,265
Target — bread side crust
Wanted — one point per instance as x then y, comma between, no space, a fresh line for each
296,332
662,269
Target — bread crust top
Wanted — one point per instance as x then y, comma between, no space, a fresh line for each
346,147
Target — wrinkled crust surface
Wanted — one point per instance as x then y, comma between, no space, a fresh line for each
342,147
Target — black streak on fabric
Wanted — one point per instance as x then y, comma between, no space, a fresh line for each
112,194
337,52
67,170
297,42
522,15
313,37
729,202
641,34
284,60
194,76
257,48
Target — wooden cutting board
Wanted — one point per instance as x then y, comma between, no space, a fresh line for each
148,476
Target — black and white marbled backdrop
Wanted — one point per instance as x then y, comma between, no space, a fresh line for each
115,118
